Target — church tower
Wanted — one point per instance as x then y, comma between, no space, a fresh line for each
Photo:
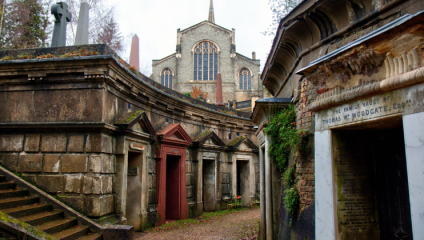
202,51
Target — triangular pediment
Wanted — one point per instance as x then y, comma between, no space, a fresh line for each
174,133
136,121
242,144
205,23
208,138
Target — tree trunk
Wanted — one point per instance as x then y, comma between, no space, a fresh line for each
2,3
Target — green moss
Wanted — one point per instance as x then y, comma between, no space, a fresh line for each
289,176
291,200
30,230
202,135
130,117
235,141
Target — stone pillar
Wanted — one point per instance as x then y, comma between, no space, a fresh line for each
219,99
413,129
254,55
324,187
135,53
262,192
268,189
83,21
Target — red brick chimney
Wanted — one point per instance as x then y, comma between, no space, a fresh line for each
219,99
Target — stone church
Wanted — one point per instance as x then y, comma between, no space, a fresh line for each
202,51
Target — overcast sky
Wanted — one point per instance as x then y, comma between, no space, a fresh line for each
156,23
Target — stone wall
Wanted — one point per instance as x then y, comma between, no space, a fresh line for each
76,168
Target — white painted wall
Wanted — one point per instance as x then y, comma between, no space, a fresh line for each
324,187
413,128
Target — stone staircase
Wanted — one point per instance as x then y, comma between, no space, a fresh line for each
24,209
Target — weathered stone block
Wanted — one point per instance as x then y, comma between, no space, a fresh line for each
73,183
53,143
189,192
11,143
99,143
30,178
76,143
149,181
152,196
99,206
102,163
9,161
75,202
189,167
30,162
189,179
51,163
225,178
151,166
74,163
32,143
97,185
51,184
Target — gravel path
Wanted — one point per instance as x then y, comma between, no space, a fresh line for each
242,224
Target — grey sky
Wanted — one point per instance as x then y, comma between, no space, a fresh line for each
156,23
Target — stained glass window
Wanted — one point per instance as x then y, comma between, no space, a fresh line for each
166,78
205,61
245,79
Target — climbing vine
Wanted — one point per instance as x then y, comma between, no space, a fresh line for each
285,140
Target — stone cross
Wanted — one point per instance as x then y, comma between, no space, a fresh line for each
83,22
62,16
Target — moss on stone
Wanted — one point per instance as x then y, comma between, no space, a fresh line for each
22,226
130,117
235,141
201,136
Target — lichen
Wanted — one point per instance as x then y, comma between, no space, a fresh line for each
130,117
24,227
235,141
202,135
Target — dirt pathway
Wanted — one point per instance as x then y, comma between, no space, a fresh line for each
241,224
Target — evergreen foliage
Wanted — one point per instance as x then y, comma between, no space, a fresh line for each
285,138
23,25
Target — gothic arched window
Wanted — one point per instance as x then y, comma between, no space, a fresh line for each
166,78
245,79
205,61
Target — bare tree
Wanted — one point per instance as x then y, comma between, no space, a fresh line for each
2,3
109,34
279,8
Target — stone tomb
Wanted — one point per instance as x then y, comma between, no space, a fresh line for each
212,179
243,156
133,152
171,157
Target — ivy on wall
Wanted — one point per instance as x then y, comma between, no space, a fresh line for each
286,139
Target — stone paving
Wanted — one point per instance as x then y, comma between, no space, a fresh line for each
242,224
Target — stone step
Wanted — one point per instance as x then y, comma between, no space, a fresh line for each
72,233
57,225
16,202
7,185
40,218
13,193
27,210
94,236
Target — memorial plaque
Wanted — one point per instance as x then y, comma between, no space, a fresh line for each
357,215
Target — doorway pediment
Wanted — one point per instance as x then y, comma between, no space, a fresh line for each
174,134
136,121
208,138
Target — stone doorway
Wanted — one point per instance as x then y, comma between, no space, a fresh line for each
371,183
243,181
173,198
209,181
134,190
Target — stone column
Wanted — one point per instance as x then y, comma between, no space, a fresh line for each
219,99
262,192
413,129
135,53
83,23
268,189
324,187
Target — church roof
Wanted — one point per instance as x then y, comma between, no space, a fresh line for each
203,23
